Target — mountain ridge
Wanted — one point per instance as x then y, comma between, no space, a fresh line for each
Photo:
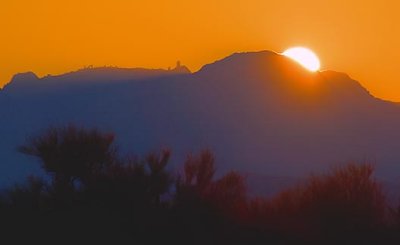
259,112
28,80
97,74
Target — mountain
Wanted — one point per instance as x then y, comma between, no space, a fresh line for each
259,112
29,83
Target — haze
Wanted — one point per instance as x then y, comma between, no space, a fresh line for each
52,37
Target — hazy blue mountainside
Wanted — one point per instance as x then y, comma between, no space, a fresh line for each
259,112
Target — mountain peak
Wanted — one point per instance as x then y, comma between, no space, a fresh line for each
256,65
282,77
24,77
237,59
21,80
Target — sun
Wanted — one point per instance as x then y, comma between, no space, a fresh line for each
304,57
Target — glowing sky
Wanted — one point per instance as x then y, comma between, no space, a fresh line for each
360,38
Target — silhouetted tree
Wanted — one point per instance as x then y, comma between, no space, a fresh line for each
346,203
71,153
133,181
207,207
160,179
199,171
352,191
229,194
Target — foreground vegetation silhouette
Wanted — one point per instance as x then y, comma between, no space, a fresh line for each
93,193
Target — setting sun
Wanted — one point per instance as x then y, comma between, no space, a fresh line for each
304,56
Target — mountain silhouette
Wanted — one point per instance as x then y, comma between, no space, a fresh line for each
30,83
259,112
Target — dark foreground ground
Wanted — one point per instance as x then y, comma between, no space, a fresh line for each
92,194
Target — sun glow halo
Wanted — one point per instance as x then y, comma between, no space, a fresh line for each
304,57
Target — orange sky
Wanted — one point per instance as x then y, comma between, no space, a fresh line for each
52,37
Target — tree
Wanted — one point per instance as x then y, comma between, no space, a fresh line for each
134,181
343,204
71,154
227,194
160,179
198,171
348,200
